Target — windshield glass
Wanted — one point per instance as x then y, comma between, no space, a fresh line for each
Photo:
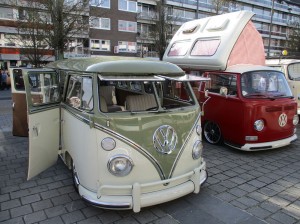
265,84
294,71
140,96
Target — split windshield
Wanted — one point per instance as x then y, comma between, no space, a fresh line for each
141,96
265,84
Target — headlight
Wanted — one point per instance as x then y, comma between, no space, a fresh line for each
197,150
295,119
259,125
120,165
108,144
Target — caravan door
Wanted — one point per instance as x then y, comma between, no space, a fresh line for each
43,102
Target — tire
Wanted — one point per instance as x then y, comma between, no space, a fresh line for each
75,178
212,133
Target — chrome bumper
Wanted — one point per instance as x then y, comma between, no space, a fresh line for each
137,199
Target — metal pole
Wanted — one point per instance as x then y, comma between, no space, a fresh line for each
197,10
270,29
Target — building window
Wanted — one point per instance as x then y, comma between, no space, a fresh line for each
127,26
100,23
125,46
100,3
8,13
129,6
100,45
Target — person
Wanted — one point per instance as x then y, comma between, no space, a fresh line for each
3,80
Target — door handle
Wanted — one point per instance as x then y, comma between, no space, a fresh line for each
35,130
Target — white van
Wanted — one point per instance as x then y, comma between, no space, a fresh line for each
291,69
128,128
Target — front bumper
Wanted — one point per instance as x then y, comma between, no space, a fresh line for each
137,199
266,145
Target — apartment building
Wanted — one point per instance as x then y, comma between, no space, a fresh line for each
122,27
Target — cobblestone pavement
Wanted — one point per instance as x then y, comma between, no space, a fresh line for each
243,187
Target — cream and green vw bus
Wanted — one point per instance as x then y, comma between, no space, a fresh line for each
128,129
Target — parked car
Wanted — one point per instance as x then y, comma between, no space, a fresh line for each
291,69
245,104
128,128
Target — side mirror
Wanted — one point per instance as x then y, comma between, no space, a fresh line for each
223,91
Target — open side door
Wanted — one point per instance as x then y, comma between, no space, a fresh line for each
43,103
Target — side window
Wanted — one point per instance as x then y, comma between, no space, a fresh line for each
44,88
224,84
80,92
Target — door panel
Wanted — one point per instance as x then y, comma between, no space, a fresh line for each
20,125
43,102
43,140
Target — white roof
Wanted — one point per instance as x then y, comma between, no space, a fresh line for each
217,34
247,68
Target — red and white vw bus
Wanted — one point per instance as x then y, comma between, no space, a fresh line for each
245,104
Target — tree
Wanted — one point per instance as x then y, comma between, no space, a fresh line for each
162,28
221,6
30,35
69,19
45,25
293,39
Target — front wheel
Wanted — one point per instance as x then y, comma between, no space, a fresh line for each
212,133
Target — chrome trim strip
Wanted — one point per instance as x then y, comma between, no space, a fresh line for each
134,145
107,205
183,146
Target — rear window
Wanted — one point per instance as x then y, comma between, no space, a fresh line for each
205,47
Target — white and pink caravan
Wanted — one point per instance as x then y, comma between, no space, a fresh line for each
245,105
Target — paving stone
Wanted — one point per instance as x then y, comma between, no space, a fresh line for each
91,211
55,211
30,199
10,204
92,220
59,200
249,202
75,205
41,205
247,187
54,220
259,212
279,201
18,220
145,217
225,196
267,191
50,194
257,196
283,218
270,206
292,211
66,189
19,211
35,217
109,217
237,192
4,215
72,217
127,220
166,220
257,183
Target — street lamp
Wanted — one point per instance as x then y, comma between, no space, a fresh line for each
270,29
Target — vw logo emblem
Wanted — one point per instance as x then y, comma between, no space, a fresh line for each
165,139
282,120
